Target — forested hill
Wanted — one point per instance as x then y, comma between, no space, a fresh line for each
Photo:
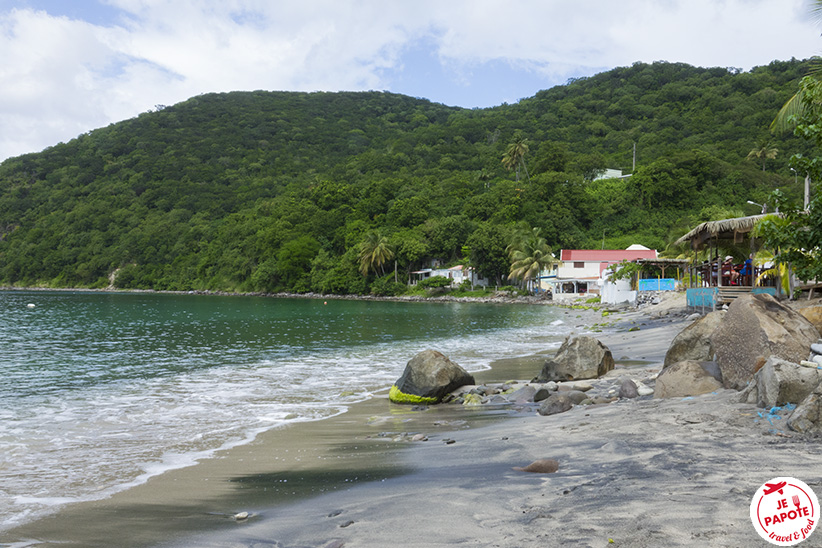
272,191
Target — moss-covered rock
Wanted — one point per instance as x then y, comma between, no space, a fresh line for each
427,378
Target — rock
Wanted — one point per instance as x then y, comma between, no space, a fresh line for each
816,348
582,386
628,389
419,437
780,382
556,403
817,360
522,395
428,377
241,516
814,315
755,328
541,394
472,399
576,396
643,390
579,357
541,466
694,342
685,378
552,386
807,417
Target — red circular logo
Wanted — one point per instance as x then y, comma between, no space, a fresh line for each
784,511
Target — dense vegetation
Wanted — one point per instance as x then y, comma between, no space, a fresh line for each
278,191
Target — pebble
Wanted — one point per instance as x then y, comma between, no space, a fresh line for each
541,466
816,348
241,516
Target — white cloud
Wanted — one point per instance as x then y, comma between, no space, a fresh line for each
61,77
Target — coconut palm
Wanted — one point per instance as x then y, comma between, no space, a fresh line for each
764,150
529,255
375,250
514,157
802,102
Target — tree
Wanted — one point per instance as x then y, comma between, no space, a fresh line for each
374,251
530,255
796,239
764,150
801,103
514,157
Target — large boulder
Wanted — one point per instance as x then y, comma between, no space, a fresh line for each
814,315
579,357
780,382
694,342
428,377
807,417
685,378
755,328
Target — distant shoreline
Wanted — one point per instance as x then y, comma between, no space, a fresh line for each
498,298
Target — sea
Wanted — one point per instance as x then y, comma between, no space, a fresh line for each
99,391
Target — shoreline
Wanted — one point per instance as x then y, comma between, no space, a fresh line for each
364,444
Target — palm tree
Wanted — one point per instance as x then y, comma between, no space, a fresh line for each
530,255
514,157
764,150
375,250
801,103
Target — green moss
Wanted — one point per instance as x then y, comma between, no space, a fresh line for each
397,396
472,399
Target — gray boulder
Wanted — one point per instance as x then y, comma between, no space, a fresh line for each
755,328
428,377
780,382
556,403
807,417
628,389
685,378
579,357
694,342
522,395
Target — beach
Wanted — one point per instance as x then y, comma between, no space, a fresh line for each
636,472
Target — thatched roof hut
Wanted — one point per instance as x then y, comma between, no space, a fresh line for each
726,229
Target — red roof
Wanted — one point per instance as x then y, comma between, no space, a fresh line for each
606,255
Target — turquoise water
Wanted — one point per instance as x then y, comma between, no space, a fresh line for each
100,391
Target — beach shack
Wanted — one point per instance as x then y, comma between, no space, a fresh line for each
711,282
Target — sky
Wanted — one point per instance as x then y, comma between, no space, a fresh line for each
70,66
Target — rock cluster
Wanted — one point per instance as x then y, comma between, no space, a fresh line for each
759,346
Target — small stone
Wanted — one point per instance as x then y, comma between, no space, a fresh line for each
241,516
541,466
347,523
628,389
419,437
643,390
556,403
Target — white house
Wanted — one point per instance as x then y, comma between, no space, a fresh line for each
457,274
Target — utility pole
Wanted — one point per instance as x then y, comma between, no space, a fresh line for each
807,190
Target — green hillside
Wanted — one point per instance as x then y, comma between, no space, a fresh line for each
274,191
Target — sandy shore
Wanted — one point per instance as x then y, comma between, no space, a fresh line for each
645,472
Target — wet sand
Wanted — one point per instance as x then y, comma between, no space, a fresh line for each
633,473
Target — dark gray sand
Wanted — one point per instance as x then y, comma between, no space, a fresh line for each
644,472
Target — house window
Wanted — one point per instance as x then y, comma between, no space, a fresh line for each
579,264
